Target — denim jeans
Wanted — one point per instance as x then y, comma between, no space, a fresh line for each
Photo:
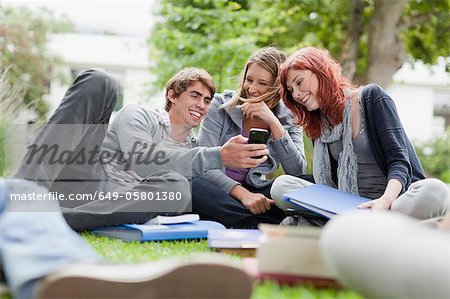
211,203
35,240
78,124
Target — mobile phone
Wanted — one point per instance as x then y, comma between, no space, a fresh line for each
258,136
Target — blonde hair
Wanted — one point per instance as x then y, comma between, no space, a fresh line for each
181,81
270,58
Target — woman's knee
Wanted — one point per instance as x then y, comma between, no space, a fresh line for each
279,188
436,188
284,184
432,193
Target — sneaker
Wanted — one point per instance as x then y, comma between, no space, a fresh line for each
297,220
161,279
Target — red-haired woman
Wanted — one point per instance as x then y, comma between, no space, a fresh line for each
360,145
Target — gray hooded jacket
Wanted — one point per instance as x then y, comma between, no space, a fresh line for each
221,124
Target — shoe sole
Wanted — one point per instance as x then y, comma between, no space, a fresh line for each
196,280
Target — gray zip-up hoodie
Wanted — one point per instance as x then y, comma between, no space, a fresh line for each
220,124
136,132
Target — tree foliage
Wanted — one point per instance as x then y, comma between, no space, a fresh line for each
11,107
428,29
23,37
434,156
215,35
371,38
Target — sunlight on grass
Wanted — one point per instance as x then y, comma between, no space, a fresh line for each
269,289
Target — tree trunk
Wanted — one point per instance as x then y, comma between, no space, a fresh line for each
350,50
386,50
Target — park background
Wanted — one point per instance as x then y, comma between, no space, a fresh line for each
402,45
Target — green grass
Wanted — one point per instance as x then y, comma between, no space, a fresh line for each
133,252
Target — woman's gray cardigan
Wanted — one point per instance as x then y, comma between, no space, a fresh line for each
220,124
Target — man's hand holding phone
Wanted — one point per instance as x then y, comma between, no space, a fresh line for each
238,153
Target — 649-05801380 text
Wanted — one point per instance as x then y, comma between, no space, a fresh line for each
131,195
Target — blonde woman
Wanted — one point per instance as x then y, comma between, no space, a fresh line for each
240,197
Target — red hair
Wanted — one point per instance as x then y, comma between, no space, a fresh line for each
330,92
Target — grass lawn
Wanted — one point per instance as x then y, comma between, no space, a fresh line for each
133,252
119,251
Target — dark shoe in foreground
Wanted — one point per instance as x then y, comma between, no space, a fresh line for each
161,279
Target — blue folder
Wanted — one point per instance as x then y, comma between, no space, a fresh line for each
323,200
144,232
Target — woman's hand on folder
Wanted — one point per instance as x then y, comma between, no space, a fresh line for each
379,204
384,202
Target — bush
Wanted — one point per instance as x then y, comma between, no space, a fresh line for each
23,48
11,106
2,149
434,156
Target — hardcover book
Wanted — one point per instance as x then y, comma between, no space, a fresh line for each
290,255
241,242
234,238
158,232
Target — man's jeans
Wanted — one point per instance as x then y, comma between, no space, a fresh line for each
212,203
77,129
35,240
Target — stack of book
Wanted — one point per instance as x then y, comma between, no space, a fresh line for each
242,242
290,255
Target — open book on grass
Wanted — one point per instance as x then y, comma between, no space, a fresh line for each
323,200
